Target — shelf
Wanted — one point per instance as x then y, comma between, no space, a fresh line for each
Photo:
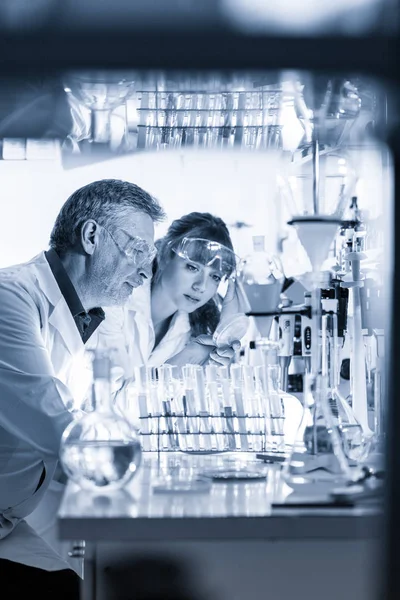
215,49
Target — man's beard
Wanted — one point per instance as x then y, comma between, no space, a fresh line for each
102,287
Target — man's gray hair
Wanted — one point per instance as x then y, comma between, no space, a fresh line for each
107,201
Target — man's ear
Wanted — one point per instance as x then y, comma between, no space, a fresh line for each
90,234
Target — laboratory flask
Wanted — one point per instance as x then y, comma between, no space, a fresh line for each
262,277
101,450
317,462
355,444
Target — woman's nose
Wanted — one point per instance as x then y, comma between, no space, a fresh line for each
200,282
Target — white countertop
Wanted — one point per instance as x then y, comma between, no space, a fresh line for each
229,510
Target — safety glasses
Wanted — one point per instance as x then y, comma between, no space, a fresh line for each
136,250
208,253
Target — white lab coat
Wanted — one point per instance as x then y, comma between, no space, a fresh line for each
129,329
41,374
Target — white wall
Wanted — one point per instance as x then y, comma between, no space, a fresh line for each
31,193
236,187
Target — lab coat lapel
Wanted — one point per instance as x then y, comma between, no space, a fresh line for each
174,340
60,317
146,337
140,307
62,320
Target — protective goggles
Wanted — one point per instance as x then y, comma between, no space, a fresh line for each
137,251
209,254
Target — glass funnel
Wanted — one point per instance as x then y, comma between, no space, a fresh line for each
318,461
101,450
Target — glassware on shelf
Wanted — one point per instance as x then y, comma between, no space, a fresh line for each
101,450
211,118
336,180
101,93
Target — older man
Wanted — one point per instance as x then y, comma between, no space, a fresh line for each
101,248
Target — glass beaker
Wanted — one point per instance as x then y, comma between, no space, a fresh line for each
100,450
317,462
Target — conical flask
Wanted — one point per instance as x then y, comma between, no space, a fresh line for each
101,450
317,462
355,444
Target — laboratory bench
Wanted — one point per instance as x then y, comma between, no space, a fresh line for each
233,539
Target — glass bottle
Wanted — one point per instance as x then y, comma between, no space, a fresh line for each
101,450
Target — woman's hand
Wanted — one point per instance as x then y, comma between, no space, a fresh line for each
194,353
202,350
224,355
234,302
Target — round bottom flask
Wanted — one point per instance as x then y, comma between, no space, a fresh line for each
101,450
317,462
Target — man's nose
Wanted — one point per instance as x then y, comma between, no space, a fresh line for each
144,273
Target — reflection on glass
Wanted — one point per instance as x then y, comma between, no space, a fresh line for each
101,93
210,119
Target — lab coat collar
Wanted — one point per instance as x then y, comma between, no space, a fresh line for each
60,317
174,340
139,303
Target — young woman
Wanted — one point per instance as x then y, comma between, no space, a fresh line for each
174,317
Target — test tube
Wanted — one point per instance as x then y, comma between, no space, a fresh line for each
261,378
252,401
141,379
191,412
204,425
215,404
165,390
237,385
223,376
277,408
178,408
155,406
